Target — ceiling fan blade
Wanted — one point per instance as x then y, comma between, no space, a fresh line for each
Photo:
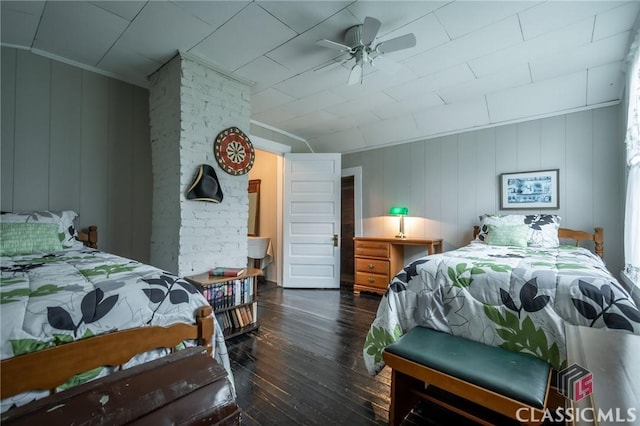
355,75
333,45
369,30
398,43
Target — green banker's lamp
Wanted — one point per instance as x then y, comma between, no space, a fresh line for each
402,212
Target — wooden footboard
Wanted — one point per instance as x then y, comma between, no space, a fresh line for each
49,368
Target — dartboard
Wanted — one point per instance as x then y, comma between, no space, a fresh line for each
234,151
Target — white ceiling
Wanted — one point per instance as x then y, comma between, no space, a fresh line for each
476,63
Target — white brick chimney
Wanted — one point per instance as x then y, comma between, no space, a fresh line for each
190,104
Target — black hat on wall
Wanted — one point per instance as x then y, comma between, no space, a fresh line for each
205,186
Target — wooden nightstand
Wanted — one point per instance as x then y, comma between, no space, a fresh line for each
377,260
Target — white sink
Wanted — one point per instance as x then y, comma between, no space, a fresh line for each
258,247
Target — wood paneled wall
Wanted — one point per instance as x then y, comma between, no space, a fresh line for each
76,140
447,182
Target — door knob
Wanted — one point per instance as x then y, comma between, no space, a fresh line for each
335,240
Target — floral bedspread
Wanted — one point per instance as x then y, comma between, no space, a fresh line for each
512,297
51,299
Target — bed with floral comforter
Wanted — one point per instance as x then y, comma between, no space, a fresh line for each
518,298
54,298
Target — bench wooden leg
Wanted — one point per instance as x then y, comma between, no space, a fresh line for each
403,396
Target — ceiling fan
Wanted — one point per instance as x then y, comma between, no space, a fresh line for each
358,42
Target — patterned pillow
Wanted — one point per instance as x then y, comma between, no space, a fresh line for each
507,235
543,227
63,219
28,238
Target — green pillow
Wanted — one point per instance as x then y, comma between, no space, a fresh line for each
507,235
28,238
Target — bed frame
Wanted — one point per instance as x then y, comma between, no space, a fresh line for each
49,368
571,234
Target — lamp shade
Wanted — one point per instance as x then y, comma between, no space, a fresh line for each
399,211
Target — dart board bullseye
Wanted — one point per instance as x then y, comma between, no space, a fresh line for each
234,151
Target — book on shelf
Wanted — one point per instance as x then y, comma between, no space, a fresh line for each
226,272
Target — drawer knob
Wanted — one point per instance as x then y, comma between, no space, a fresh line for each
371,266
371,280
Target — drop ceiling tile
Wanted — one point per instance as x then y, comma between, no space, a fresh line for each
268,99
341,123
460,18
264,72
302,53
125,62
452,76
89,31
382,132
577,34
552,15
371,101
273,117
345,141
393,15
420,102
310,82
605,83
19,21
599,52
248,45
501,35
302,122
313,103
614,21
301,16
515,76
161,30
378,80
214,13
545,97
454,117
124,9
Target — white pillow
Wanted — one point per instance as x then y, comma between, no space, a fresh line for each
63,219
543,227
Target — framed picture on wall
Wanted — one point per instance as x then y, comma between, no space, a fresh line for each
529,190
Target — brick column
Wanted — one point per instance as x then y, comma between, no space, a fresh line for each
190,104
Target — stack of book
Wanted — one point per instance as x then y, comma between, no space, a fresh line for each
235,318
229,293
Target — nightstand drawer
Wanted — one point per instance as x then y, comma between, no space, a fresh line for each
372,266
372,280
372,248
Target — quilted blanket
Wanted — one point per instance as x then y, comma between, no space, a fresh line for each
512,297
51,299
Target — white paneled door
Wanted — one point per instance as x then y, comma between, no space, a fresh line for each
311,223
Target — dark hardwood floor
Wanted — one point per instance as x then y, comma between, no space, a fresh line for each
304,364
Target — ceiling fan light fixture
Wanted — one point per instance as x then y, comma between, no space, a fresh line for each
358,42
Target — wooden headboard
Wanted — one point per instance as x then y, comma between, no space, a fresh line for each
571,234
89,237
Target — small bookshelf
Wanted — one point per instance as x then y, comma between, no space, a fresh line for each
234,300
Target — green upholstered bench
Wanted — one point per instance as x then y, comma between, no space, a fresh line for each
515,385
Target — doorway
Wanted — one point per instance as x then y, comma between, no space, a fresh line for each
347,231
